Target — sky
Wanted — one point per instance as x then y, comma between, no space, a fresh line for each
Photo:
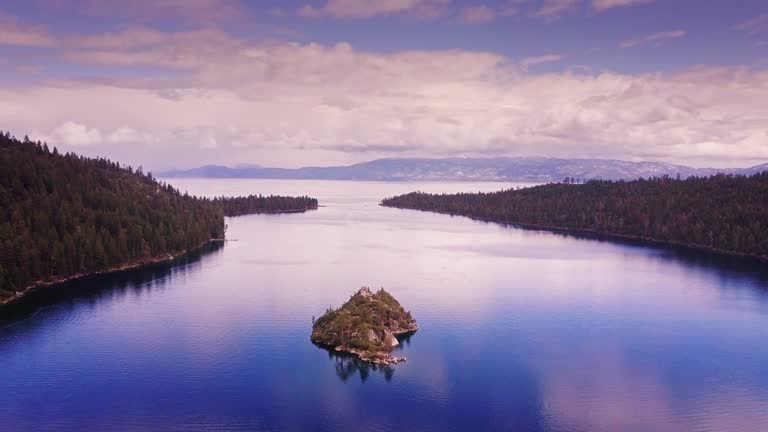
182,83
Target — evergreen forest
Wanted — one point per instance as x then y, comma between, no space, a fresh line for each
727,213
65,215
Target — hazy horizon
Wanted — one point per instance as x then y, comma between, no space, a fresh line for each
254,165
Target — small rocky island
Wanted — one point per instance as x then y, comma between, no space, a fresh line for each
366,326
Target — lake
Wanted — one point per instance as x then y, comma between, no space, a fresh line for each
521,330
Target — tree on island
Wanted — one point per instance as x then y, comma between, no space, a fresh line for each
366,326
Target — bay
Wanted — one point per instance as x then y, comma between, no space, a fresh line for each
521,330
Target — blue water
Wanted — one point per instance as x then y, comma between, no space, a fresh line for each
520,330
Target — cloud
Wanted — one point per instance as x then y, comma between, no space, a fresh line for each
291,104
673,34
209,143
16,34
532,61
554,9
205,11
603,5
358,9
418,9
130,136
477,14
753,26
144,46
74,134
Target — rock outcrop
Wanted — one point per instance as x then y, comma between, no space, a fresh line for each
367,326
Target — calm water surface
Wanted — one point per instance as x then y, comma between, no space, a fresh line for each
520,330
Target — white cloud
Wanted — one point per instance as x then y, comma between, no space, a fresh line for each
673,34
603,5
293,104
209,143
532,61
129,136
478,14
356,9
75,135
553,9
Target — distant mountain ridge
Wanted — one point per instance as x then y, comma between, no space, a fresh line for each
530,169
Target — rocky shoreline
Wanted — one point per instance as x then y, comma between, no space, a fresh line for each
379,357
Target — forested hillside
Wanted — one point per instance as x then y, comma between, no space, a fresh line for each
724,212
65,215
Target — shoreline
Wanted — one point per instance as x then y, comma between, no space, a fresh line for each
598,234
167,257
270,212
376,358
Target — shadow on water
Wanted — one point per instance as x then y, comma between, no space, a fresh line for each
348,365
750,269
99,288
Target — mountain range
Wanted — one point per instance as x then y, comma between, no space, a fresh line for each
524,169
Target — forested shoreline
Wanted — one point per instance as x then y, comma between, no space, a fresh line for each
66,216
723,213
238,206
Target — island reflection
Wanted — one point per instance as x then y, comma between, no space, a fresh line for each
349,365
97,289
